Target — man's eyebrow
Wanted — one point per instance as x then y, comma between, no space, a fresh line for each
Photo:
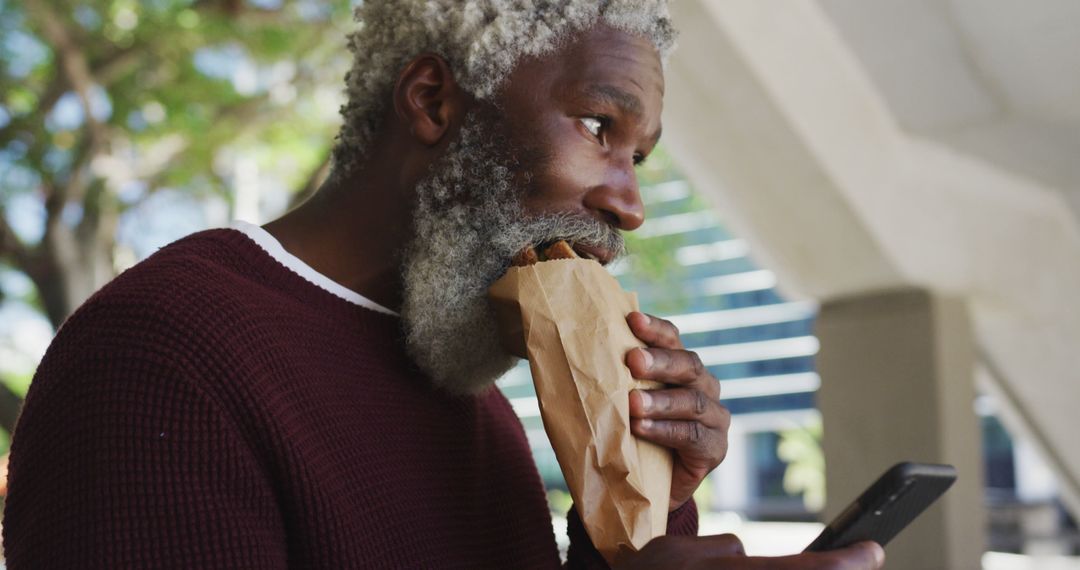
624,100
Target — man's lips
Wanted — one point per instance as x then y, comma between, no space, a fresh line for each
595,253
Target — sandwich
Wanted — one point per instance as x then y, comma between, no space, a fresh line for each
567,316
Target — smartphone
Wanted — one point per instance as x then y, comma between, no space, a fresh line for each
887,506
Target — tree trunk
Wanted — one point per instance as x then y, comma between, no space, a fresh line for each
71,264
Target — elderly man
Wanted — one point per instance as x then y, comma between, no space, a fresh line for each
318,393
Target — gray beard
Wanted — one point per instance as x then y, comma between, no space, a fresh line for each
468,223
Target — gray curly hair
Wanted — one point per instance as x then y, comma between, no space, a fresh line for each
482,40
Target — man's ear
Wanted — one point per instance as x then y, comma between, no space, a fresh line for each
427,98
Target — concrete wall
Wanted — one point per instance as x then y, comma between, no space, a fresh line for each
780,114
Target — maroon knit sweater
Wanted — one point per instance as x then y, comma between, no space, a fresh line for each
212,409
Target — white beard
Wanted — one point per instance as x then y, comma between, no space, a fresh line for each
468,224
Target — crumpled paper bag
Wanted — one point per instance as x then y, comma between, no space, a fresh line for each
568,317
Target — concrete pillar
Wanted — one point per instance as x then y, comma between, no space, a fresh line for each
897,385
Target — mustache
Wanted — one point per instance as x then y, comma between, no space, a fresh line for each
575,229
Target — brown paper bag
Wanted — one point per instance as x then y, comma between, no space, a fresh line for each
568,317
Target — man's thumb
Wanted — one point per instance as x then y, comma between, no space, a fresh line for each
869,554
723,545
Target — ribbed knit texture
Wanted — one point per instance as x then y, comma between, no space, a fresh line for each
210,408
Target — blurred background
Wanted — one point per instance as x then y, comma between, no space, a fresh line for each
864,217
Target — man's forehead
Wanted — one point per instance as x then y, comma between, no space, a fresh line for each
605,56
601,69
600,56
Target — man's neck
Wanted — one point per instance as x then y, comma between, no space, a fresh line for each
354,232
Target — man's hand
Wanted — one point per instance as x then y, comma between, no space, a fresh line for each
725,552
687,416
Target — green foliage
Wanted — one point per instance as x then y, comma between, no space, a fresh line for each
652,258
653,262
559,502
658,168
106,103
17,383
201,76
703,495
801,449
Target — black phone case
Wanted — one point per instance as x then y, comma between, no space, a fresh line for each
887,506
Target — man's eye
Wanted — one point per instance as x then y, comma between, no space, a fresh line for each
594,125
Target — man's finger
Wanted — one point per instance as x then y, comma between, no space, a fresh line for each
679,404
670,367
726,545
714,545
866,554
654,331
861,556
677,434
701,547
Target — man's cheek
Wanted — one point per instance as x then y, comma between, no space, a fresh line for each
575,175
561,186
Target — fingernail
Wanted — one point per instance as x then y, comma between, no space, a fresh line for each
648,358
646,400
646,423
647,318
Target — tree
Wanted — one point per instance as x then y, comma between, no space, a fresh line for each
800,448
104,104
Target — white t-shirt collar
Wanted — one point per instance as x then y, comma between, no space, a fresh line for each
272,246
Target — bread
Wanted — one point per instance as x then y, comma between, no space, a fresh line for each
557,250
560,250
525,257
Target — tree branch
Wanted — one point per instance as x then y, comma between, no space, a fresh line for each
107,71
114,65
78,176
72,60
11,246
76,71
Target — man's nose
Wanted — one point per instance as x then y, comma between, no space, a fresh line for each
618,202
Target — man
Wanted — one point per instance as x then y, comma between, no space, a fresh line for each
318,393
